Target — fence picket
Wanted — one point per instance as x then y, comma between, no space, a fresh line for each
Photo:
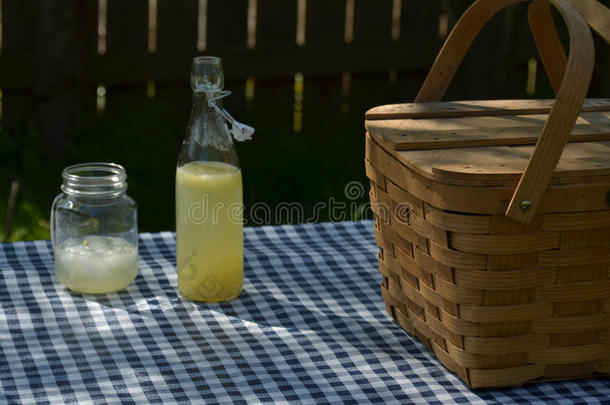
16,74
324,28
276,24
227,25
127,25
373,21
177,27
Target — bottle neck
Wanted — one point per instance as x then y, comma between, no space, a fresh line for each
207,136
201,102
100,180
200,99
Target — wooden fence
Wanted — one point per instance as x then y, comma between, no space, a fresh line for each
55,54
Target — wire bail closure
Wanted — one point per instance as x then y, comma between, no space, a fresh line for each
241,132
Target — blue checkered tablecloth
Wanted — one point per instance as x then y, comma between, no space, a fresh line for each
309,327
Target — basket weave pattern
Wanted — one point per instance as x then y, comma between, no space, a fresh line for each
494,227
498,301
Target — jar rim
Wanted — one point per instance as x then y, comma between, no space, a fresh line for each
94,179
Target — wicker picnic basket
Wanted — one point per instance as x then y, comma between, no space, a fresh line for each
493,217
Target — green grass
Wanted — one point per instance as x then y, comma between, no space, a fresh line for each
29,223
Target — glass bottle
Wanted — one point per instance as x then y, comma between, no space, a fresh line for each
94,229
209,208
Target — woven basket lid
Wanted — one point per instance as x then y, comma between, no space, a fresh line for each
489,143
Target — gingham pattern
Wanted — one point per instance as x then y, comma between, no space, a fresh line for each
309,327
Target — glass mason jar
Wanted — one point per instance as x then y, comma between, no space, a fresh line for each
94,231
209,224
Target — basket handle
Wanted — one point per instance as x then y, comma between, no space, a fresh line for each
596,14
547,41
563,115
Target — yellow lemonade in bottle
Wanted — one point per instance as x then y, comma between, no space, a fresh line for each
209,231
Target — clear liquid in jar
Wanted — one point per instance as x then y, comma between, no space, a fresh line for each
96,264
